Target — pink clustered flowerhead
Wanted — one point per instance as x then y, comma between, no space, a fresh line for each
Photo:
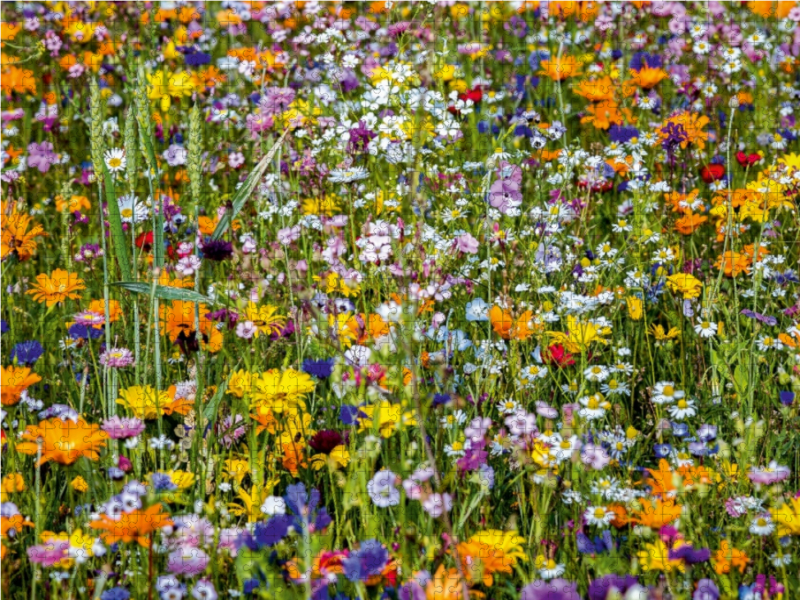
120,428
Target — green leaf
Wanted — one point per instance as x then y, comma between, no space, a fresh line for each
740,378
163,292
211,408
243,193
118,237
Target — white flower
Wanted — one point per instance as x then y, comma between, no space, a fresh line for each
274,505
598,515
762,525
682,409
115,160
381,489
596,373
131,210
664,392
705,329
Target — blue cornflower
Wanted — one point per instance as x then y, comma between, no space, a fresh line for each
27,353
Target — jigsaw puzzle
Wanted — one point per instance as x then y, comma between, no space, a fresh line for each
400,300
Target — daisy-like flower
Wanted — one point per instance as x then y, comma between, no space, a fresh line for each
56,287
598,515
115,160
348,175
683,409
594,407
89,318
664,392
117,358
705,328
762,525
508,406
615,387
132,210
596,373
63,441
766,343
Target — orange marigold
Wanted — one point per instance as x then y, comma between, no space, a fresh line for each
135,525
56,287
63,441
15,380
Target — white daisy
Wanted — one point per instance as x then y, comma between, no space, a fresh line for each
598,515
705,328
115,160
664,392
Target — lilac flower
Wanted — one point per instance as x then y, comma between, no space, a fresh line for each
117,358
772,473
706,590
119,428
381,489
601,587
555,589
595,456
187,560
437,504
41,156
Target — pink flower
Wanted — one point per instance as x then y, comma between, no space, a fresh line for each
467,244
436,504
595,457
772,473
121,428
187,560
117,358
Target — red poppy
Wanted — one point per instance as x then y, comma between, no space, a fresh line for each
711,173
475,94
558,356
747,160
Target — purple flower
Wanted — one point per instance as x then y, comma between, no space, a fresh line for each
555,589
41,156
365,562
27,353
121,428
187,560
706,590
117,358
321,369
217,250
600,588
689,555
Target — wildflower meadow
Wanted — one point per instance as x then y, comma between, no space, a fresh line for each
400,300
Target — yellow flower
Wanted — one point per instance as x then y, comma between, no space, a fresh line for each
787,516
236,469
580,334
264,318
634,307
144,402
657,331
281,391
338,457
239,383
655,557
163,86
56,287
491,551
182,479
79,484
686,284
386,416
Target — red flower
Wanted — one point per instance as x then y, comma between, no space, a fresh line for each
711,173
558,356
747,160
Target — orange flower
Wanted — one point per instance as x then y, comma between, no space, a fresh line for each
595,90
689,223
733,263
114,309
75,204
18,80
770,8
63,441
507,328
692,124
727,557
445,585
660,480
56,287
15,380
605,114
559,69
177,322
647,78
16,237
130,526
657,514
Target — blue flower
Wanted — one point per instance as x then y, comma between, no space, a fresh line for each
321,369
115,593
162,482
27,353
365,562
477,310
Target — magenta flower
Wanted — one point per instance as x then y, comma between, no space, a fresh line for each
121,428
